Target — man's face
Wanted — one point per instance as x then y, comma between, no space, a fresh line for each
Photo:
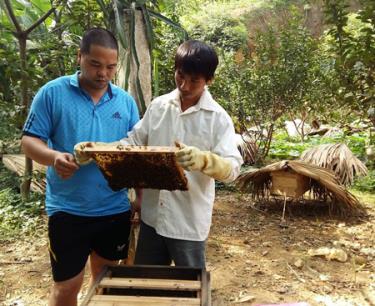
191,87
98,67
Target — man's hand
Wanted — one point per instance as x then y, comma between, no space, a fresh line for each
65,165
84,158
191,158
81,157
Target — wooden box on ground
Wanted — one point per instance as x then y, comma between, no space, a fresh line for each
150,285
289,183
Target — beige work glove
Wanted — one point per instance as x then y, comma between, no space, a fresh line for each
84,158
191,158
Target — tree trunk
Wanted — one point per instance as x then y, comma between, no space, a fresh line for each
22,38
143,51
144,70
26,180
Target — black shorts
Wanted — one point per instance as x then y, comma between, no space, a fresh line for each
72,239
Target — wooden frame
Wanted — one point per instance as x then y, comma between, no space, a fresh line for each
150,285
138,166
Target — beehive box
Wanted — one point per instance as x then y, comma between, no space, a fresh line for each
150,285
138,166
289,183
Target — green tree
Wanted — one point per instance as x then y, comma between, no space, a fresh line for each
275,82
22,32
56,50
351,42
131,22
219,25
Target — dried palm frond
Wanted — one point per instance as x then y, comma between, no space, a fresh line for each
338,158
323,184
247,148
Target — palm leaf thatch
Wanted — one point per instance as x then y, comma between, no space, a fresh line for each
322,184
338,158
247,148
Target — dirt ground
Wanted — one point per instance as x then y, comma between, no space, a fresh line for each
252,259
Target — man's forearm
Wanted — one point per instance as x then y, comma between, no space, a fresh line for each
37,150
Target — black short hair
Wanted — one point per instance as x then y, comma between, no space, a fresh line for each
196,58
100,37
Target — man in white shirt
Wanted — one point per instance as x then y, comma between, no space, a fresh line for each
176,224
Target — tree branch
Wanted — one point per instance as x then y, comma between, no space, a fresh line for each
38,22
13,17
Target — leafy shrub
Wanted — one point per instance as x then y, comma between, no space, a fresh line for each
8,179
366,183
18,217
217,25
9,130
285,147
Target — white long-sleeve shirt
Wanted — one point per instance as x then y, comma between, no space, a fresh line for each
185,214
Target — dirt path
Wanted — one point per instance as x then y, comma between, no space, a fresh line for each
251,258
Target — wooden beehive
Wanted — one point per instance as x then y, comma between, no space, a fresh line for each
289,183
139,166
150,285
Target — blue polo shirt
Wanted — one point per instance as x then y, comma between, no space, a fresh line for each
63,114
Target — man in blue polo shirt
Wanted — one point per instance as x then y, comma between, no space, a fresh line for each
86,218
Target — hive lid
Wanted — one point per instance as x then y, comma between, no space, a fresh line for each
138,166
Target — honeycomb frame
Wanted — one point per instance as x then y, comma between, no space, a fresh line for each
138,166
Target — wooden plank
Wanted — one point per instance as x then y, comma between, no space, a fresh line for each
144,300
141,283
157,272
136,303
126,149
95,286
104,303
205,293
101,303
16,163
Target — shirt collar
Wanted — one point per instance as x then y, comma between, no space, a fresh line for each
205,102
75,82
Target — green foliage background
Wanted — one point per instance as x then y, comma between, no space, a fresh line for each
274,66
18,217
